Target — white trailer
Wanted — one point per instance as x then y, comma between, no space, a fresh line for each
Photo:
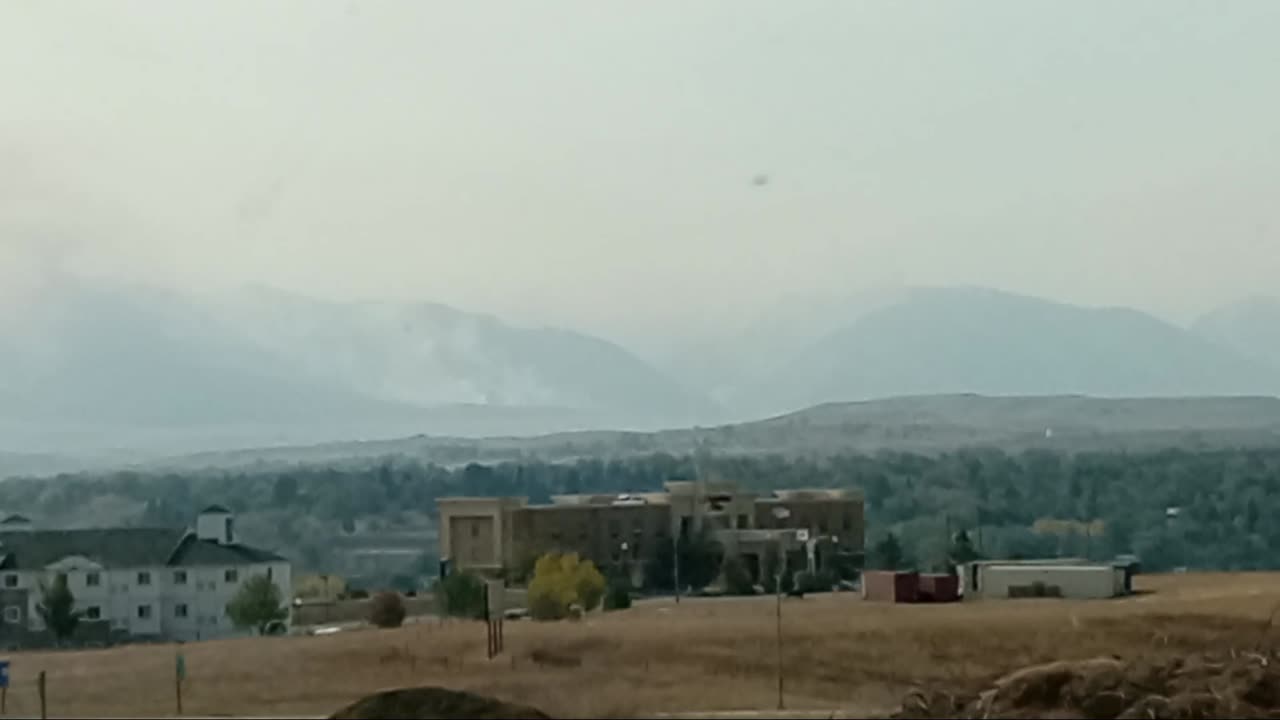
969,572
1093,581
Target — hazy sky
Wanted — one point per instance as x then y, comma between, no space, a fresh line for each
590,163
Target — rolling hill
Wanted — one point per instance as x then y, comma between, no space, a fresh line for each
925,424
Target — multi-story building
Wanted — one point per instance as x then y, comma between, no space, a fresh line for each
815,528
132,583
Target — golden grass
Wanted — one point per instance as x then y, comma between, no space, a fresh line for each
711,654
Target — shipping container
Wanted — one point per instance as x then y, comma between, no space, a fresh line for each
888,586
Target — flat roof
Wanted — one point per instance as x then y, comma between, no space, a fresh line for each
796,495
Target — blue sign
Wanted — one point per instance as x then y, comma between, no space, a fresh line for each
4,673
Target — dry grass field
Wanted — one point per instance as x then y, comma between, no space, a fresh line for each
702,655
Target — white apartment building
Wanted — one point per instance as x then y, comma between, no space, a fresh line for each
146,583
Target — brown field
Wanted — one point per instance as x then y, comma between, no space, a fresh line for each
703,655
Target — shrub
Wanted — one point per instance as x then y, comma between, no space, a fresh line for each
770,582
461,595
700,557
618,597
561,581
808,582
387,610
737,581
257,604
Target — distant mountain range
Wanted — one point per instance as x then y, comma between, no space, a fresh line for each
1250,327
938,341
99,367
128,362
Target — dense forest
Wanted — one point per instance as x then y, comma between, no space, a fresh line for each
1173,508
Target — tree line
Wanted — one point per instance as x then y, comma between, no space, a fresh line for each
1207,509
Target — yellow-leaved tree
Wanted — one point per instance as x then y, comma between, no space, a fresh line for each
562,581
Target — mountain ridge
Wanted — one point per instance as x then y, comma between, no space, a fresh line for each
949,340
109,368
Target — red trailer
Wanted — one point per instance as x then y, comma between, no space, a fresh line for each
939,587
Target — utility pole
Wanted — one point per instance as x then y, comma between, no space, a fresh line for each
781,514
782,565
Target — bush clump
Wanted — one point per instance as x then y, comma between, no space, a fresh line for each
618,597
561,582
461,595
737,580
387,610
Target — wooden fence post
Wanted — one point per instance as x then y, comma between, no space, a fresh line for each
44,714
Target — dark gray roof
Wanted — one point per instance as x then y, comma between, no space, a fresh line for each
215,509
122,547
205,552
111,547
15,520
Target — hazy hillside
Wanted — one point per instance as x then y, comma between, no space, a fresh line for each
942,341
145,368
1250,327
740,354
431,355
920,424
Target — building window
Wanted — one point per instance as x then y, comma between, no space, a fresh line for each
12,614
742,522
230,576
230,528
93,613
180,611
92,579
475,530
180,577
144,578
11,580
144,612
848,523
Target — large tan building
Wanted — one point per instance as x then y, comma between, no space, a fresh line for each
490,535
